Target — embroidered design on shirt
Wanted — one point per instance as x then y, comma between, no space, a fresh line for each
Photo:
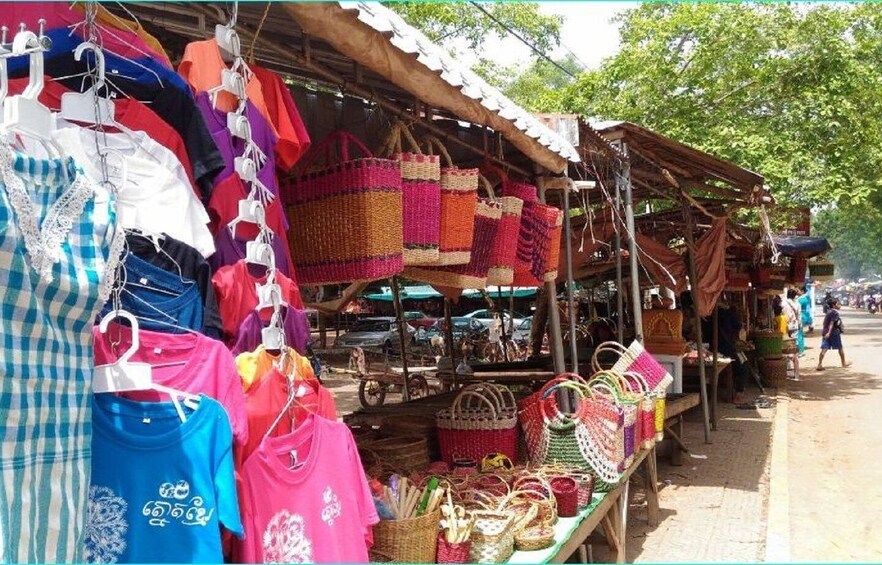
332,506
285,541
176,505
106,526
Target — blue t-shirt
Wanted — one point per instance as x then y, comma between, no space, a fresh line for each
161,489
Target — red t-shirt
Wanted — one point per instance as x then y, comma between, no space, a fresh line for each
236,291
266,398
283,113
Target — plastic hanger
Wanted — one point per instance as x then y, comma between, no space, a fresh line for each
89,107
24,113
125,375
293,395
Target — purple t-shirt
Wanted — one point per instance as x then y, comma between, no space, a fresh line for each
232,147
229,250
295,324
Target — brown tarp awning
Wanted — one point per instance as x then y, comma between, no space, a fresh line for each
666,267
710,261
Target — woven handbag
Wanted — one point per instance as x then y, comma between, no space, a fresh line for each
530,416
539,237
459,197
608,387
450,280
421,197
481,420
636,386
656,398
344,214
634,358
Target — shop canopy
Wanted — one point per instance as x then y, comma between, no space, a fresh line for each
424,292
801,246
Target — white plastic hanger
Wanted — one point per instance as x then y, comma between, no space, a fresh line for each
24,113
89,107
125,375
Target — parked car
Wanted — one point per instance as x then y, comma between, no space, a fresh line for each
461,326
419,319
374,333
486,316
521,333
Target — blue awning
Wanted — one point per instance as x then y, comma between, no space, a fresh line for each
801,246
424,292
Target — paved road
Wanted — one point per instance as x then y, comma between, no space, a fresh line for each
834,457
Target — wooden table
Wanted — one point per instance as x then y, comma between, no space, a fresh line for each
675,406
608,511
499,377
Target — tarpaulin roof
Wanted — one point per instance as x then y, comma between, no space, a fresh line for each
801,246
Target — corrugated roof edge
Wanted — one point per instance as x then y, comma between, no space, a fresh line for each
412,41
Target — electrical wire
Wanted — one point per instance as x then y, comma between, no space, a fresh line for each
532,47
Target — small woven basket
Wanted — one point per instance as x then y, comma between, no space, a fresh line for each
534,539
566,493
586,490
408,541
492,537
405,453
453,552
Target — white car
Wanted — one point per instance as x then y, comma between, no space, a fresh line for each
486,316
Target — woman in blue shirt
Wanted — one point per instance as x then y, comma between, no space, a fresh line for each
805,306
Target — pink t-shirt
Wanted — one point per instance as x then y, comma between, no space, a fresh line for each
195,364
321,511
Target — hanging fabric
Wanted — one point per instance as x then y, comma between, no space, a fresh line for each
710,262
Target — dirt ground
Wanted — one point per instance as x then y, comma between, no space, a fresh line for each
835,449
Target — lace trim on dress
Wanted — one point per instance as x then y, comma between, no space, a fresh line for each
43,244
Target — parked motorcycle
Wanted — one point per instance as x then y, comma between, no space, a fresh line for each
872,305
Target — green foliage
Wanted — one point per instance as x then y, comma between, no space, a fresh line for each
447,21
790,91
855,231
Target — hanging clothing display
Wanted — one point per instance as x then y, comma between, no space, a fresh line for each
55,239
188,362
293,138
295,325
161,489
305,498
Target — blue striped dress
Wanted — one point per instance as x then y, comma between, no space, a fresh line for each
54,242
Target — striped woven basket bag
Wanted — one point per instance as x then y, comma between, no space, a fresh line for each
450,280
504,253
538,244
344,214
459,197
421,197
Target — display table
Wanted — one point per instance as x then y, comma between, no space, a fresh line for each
498,377
675,406
608,510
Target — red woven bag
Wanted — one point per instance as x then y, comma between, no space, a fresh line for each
481,420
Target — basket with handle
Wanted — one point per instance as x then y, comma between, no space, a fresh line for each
459,197
411,540
450,280
534,538
634,358
344,214
635,386
657,400
532,421
540,236
492,537
421,196
481,420
535,488
453,552
503,257
608,385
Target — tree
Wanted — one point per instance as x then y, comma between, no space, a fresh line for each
792,92
855,232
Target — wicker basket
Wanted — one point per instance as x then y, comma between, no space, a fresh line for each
453,552
421,197
408,541
344,215
566,493
534,539
492,537
768,343
774,369
789,347
404,453
452,279
481,420
459,197
412,425
503,255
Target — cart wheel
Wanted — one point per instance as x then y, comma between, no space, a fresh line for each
418,386
371,393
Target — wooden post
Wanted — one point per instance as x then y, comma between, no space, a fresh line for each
715,384
693,284
323,331
633,259
403,336
568,255
448,337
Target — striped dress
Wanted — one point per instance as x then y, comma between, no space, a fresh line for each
54,243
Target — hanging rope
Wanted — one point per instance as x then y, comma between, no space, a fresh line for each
767,228
266,12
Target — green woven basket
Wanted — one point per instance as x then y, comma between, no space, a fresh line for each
768,344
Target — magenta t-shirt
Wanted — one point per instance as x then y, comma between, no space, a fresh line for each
321,511
189,362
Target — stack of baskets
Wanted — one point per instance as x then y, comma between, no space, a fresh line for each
770,356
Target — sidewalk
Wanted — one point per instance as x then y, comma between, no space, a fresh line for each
713,508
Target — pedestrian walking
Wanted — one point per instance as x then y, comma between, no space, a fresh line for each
832,333
805,306
794,319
